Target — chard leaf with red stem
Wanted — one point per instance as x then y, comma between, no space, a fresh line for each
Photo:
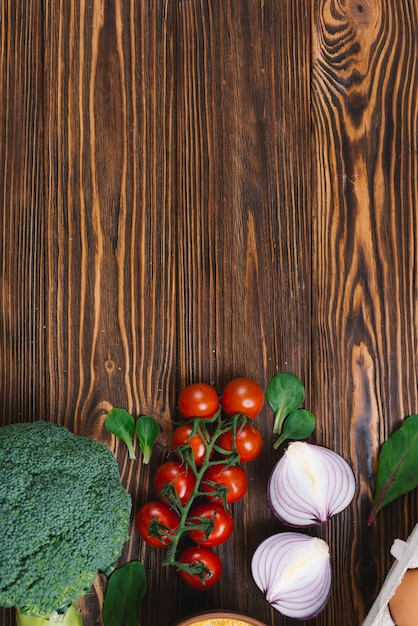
397,471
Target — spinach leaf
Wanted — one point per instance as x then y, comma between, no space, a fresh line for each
147,430
122,424
125,589
397,471
300,424
285,393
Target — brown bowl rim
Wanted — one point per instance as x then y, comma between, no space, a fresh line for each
188,621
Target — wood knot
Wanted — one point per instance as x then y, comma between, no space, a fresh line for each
110,365
361,11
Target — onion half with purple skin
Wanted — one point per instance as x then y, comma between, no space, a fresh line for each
309,485
293,571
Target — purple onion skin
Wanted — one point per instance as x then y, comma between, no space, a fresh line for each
306,596
312,522
302,510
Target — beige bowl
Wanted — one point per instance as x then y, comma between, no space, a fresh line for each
220,618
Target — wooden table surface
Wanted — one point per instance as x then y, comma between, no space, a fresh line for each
194,190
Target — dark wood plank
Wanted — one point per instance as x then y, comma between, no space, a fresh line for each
22,323
244,244
110,118
364,94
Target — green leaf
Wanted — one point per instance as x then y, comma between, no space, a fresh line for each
285,393
300,424
397,471
125,589
122,424
147,430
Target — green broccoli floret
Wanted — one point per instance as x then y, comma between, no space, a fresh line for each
63,516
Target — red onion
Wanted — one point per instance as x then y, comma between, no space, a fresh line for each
293,571
309,485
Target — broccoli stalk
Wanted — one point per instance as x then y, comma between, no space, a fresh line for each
72,617
65,516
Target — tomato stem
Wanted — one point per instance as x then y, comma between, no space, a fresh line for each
184,509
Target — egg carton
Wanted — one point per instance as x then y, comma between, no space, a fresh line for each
406,555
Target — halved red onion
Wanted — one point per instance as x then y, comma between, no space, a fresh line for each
293,571
309,485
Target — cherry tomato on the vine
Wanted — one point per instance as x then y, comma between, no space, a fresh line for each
207,561
248,442
198,400
242,395
156,523
222,524
182,436
179,476
233,478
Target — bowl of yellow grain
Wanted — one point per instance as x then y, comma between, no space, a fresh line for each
220,618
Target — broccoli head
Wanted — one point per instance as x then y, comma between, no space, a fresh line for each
63,516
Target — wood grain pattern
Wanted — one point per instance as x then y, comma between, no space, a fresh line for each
364,95
194,190
243,256
21,218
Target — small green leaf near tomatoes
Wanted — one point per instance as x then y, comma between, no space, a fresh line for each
247,442
205,567
156,523
174,481
285,394
214,524
231,477
147,430
300,424
198,400
242,395
122,424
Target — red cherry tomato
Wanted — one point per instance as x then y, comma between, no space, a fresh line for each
182,436
156,523
222,524
248,442
179,476
198,400
233,478
207,561
242,395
